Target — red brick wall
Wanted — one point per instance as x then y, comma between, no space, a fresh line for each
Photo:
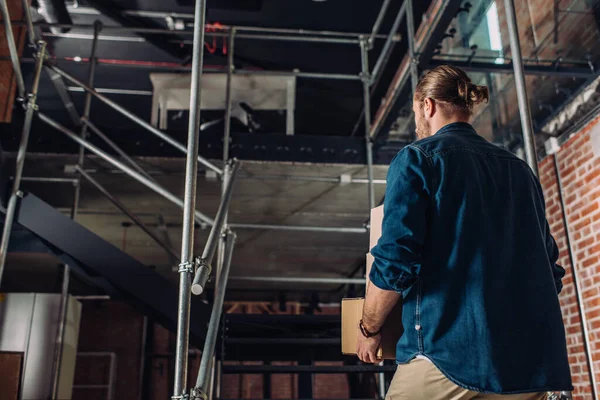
579,171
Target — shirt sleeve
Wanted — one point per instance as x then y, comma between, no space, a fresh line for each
397,255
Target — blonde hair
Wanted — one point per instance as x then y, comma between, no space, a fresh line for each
452,88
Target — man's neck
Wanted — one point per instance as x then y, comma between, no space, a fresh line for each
439,123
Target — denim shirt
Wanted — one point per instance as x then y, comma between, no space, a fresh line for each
466,241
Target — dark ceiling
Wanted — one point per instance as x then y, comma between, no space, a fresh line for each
323,107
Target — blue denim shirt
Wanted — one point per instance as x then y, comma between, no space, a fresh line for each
466,241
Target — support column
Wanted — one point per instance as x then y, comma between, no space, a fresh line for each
31,107
86,115
186,268
517,61
366,80
60,334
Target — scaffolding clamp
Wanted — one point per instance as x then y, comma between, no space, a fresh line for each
186,267
183,396
198,394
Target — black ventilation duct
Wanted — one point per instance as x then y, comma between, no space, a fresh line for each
54,12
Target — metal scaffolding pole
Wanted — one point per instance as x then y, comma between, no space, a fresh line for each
186,268
133,117
230,68
366,80
410,37
378,21
200,218
126,211
524,111
115,147
12,48
200,392
60,334
86,115
31,106
298,228
310,280
204,269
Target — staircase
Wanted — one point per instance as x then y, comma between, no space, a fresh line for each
41,228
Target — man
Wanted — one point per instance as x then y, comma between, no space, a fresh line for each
466,246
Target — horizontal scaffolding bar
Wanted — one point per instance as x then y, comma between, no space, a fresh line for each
314,369
311,179
289,279
289,341
44,179
298,228
112,91
225,28
507,68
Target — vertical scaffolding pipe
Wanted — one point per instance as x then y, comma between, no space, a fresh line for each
86,115
366,80
186,268
410,37
31,106
517,61
230,68
12,48
577,286
200,390
60,334
29,22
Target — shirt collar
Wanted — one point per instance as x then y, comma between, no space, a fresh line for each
462,127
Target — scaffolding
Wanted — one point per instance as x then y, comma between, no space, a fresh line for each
195,271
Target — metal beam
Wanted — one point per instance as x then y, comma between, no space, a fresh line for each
507,68
186,268
289,279
299,228
295,369
521,86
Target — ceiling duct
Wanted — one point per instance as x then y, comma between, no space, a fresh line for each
55,12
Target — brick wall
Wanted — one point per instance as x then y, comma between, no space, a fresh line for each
579,170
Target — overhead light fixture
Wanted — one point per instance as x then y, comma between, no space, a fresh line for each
77,59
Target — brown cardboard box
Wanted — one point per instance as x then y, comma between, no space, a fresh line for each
390,333
352,308
376,222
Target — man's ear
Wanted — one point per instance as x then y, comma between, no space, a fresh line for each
429,107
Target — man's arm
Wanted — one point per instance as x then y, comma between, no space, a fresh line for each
397,256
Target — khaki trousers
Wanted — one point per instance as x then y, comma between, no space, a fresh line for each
421,380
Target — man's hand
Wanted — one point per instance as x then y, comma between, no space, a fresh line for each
366,348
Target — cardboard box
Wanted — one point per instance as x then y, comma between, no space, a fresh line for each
352,309
376,223
390,333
